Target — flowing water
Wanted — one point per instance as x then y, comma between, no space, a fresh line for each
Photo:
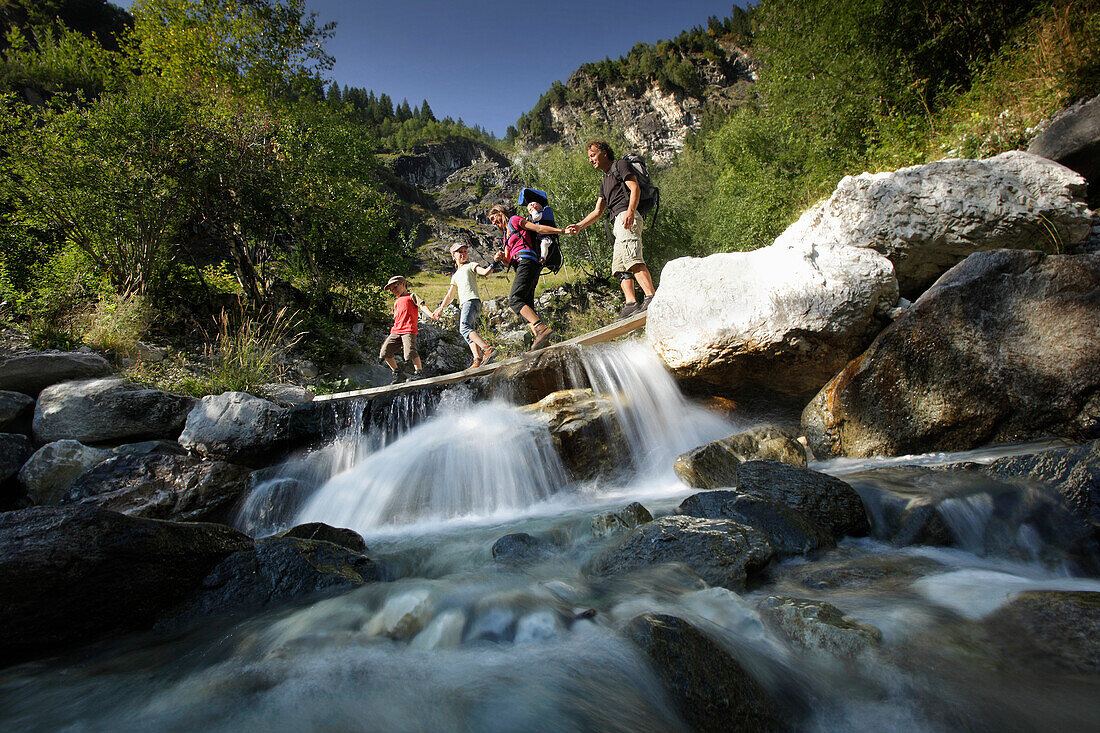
456,641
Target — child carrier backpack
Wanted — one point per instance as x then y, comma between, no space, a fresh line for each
649,198
553,260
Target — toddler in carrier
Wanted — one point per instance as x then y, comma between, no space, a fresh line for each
539,211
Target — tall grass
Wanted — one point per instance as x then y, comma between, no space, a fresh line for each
118,323
246,348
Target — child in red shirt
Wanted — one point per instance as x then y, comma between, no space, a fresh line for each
406,316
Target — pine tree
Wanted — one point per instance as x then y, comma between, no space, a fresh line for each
426,112
404,112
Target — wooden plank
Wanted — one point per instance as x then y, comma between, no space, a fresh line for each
607,333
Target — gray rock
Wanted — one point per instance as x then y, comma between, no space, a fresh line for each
286,395
714,465
366,375
1047,631
51,471
720,551
146,447
235,426
710,689
789,532
68,574
31,373
615,522
816,626
151,354
276,570
585,430
884,574
158,486
321,532
531,379
826,500
520,547
16,410
15,451
109,409
1073,139
1002,348
928,218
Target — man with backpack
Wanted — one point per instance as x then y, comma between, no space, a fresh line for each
621,194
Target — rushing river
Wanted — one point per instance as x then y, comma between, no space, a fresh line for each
456,641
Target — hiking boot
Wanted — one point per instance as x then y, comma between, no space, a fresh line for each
397,376
542,336
474,364
488,355
420,374
628,310
645,303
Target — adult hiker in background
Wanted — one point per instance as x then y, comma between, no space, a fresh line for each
620,194
406,318
519,252
464,285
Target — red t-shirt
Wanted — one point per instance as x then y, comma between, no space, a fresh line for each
406,314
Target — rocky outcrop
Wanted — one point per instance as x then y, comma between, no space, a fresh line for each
710,689
783,319
156,486
1002,348
714,465
275,570
33,372
1072,138
106,410
790,532
68,574
720,551
818,627
928,218
430,165
585,431
51,471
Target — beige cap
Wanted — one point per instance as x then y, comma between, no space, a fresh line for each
393,281
457,246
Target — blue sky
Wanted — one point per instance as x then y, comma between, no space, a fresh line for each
488,61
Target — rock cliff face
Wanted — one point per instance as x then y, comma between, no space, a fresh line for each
654,121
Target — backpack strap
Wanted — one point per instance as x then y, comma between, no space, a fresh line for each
522,254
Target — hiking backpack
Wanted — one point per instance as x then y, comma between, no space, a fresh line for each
554,260
649,197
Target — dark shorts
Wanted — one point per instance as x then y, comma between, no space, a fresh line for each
523,287
394,340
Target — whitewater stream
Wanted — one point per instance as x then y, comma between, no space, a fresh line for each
454,640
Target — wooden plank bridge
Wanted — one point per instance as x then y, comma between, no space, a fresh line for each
607,333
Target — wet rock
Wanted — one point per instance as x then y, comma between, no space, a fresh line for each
714,465
1054,630
540,374
826,500
48,475
789,532
68,574
16,410
31,373
158,486
286,395
236,427
720,551
903,501
585,431
1002,348
402,616
347,538
540,626
444,631
928,218
520,547
276,570
627,518
781,319
885,573
108,409
710,689
816,626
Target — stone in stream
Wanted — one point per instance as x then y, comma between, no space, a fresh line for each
537,376
714,465
443,632
275,570
711,690
615,522
519,548
816,626
48,474
162,486
1002,348
347,538
585,430
31,373
403,615
885,574
1050,630
790,532
69,574
16,410
719,551
109,409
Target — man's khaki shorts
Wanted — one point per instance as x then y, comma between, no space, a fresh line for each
628,244
390,345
